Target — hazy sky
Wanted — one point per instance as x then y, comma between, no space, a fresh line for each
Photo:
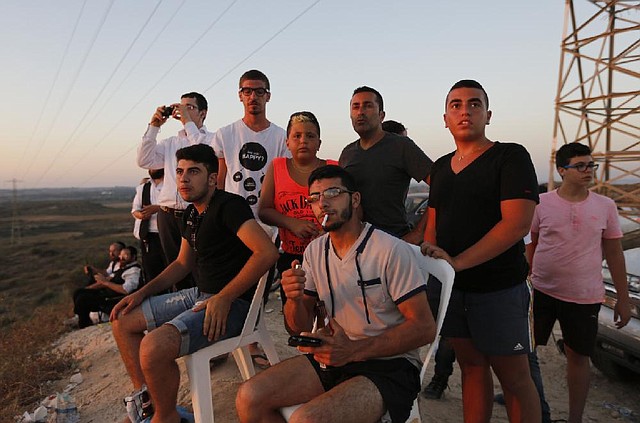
81,79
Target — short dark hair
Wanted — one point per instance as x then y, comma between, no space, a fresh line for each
365,89
200,100
200,153
303,117
467,83
119,244
393,126
133,250
254,75
568,151
333,171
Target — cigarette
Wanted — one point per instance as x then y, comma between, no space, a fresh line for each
324,221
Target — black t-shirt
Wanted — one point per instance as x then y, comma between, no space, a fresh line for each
382,174
220,254
468,205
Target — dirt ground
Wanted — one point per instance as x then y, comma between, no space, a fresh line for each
99,396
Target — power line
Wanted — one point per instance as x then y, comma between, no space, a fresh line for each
135,66
15,222
261,46
111,163
104,86
73,83
117,122
55,81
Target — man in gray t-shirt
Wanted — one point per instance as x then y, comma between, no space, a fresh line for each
383,165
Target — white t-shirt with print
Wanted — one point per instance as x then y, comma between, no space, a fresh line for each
247,155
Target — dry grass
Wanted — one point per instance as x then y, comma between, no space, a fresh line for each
37,277
29,361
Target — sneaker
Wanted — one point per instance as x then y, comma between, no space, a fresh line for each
139,406
436,387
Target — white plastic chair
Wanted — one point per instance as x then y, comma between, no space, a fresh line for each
254,330
442,271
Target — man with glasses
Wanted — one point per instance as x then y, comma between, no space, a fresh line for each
246,147
153,154
383,165
572,229
375,296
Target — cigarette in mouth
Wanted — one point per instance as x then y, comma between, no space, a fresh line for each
324,221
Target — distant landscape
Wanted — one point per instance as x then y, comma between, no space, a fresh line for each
60,230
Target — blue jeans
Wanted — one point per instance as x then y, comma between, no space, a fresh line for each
534,369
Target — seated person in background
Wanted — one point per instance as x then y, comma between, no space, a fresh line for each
114,263
368,362
222,240
284,190
124,280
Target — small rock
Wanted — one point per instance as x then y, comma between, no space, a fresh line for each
77,379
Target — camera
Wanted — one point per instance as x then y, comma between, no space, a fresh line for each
304,341
168,111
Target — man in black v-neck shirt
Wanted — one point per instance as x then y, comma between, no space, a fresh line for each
481,204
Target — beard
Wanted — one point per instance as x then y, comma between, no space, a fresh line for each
343,216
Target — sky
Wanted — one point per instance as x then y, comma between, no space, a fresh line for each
81,79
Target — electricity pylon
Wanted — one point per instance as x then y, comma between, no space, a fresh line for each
598,95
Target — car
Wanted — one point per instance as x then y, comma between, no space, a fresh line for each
415,206
617,352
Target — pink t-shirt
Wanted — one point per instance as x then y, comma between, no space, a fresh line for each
567,263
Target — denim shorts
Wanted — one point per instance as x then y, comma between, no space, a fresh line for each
498,322
176,309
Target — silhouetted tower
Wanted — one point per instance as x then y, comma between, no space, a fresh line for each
15,222
598,96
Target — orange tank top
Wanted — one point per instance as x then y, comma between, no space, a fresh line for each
289,201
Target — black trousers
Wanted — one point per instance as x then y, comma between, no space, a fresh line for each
153,260
171,238
87,300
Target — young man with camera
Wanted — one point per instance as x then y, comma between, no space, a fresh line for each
191,111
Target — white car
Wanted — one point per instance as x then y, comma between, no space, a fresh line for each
618,350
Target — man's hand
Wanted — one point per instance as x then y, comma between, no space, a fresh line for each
148,211
336,349
621,313
292,282
126,304
303,228
158,119
436,252
215,316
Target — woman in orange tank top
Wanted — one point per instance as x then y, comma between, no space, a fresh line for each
284,189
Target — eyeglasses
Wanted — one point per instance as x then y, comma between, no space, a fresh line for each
246,91
581,167
327,194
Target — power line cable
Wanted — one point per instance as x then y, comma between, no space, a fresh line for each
53,85
104,86
261,46
111,163
73,83
117,122
135,66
